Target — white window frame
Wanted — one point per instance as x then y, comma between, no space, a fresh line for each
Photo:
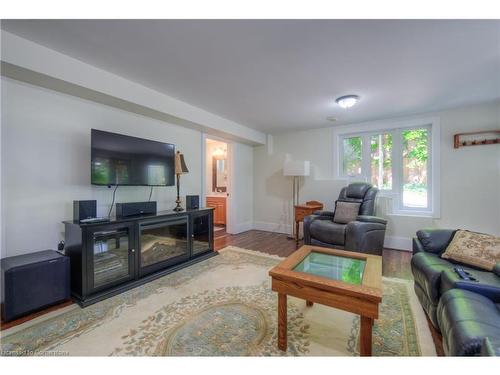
395,127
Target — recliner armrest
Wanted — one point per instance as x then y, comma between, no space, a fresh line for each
307,224
365,237
371,219
329,214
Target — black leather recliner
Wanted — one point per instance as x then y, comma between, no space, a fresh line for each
466,312
365,234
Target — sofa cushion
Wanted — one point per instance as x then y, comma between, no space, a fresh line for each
327,231
345,212
426,269
466,319
475,249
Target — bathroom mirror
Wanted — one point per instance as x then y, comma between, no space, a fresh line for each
219,174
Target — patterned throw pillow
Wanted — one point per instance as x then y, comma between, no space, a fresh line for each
475,249
345,212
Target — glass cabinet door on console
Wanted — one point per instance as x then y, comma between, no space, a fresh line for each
162,243
111,255
202,233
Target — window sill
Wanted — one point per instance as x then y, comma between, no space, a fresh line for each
383,193
424,215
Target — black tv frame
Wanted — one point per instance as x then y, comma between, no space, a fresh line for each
128,136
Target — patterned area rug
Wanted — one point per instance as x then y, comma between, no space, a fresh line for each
223,306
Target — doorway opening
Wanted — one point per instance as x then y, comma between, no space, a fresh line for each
217,183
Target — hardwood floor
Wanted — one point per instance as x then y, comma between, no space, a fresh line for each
395,263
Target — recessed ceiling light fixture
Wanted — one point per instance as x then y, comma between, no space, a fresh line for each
347,101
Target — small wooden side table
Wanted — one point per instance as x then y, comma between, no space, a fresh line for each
303,210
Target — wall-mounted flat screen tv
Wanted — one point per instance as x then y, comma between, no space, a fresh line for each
119,159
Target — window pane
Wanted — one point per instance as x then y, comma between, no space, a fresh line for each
352,156
415,153
381,162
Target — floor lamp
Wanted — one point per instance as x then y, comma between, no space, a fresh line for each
295,169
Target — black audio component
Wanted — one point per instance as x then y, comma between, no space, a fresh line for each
33,281
192,202
84,210
135,209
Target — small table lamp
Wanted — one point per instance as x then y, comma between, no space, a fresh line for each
180,168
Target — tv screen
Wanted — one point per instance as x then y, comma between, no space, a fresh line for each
123,160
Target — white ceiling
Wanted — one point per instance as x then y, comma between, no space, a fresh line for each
284,75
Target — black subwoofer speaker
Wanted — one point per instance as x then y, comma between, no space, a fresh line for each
84,210
33,281
192,202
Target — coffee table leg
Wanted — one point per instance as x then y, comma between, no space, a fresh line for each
365,336
282,321
309,303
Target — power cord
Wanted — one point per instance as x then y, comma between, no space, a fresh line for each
113,202
150,193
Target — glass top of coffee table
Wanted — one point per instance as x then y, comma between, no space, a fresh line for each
348,270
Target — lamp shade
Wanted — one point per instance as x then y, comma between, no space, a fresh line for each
180,164
296,168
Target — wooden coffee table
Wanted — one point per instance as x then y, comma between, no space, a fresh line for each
342,279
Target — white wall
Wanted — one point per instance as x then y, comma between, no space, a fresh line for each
46,162
470,178
2,228
45,148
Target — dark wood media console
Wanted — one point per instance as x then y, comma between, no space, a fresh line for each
108,258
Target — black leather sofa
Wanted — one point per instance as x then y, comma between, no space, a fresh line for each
467,313
365,234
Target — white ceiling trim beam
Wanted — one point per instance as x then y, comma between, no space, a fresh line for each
30,62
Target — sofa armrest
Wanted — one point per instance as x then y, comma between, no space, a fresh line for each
417,246
435,240
371,219
365,237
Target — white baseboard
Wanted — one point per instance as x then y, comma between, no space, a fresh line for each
241,227
398,243
272,227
